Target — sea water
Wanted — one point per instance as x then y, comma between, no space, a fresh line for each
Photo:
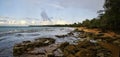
10,35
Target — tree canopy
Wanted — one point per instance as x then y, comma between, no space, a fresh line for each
109,18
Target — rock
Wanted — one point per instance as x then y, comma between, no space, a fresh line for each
70,55
44,41
84,53
36,52
99,40
58,53
50,55
100,55
29,49
71,49
100,34
61,36
117,42
70,34
47,41
26,46
82,36
19,35
18,51
26,41
77,30
63,45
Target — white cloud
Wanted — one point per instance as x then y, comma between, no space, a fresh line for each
23,22
60,22
1,22
53,22
56,6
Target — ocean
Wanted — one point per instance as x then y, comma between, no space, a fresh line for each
11,35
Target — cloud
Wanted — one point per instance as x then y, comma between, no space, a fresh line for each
58,21
61,4
1,22
56,6
24,22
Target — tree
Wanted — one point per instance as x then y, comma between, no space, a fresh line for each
112,14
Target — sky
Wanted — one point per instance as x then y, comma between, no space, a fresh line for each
28,12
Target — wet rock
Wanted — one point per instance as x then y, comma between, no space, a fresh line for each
70,34
19,50
19,35
45,40
27,41
26,46
33,34
61,36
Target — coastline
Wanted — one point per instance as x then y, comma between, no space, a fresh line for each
92,43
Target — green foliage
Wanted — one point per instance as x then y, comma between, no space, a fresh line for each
108,19
112,14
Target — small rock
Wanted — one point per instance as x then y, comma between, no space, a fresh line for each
100,55
50,55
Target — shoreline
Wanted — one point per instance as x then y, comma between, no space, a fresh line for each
90,39
97,31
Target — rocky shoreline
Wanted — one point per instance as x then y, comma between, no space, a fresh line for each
89,45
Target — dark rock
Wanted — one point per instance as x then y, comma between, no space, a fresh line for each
18,51
19,35
100,34
77,30
63,45
61,36
26,46
70,34
26,41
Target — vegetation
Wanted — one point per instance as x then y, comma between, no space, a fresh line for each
108,19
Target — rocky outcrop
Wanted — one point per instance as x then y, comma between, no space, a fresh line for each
26,46
84,49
